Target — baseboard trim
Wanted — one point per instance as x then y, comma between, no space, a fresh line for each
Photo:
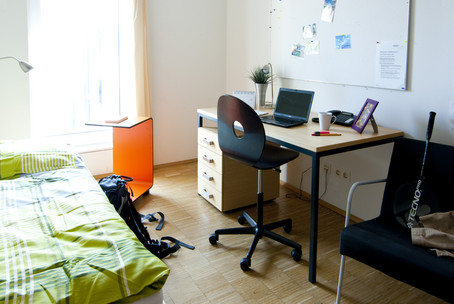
353,218
187,161
181,162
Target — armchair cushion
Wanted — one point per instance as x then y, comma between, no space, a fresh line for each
387,246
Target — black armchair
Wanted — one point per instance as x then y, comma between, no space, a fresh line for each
384,244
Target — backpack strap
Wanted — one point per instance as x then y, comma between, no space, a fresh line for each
151,218
162,249
177,242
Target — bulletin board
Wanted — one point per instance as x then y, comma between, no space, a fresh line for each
366,44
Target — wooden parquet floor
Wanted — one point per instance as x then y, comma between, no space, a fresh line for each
212,274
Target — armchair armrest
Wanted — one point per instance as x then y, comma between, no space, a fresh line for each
350,196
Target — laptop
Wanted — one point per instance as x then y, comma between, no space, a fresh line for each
293,108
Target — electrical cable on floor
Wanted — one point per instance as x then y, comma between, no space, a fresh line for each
300,195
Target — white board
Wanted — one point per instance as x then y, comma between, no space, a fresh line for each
368,22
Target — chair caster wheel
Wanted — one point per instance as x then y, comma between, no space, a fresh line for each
288,227
213,239
296,255
242,220
245,264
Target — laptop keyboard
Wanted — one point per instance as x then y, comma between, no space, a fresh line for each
284,120
278,120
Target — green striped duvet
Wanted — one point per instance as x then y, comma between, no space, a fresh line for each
61,241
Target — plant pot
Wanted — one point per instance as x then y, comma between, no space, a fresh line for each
261,94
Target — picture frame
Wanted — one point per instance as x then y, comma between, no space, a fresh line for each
365,115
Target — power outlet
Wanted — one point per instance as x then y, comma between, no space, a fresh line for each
342,174
326,168
347,175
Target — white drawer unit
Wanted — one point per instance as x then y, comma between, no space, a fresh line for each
225,183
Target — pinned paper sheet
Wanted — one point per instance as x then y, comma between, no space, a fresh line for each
391,64
312,47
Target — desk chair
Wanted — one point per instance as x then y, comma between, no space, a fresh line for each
249,146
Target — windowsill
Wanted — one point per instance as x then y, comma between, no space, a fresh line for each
87,142
93,148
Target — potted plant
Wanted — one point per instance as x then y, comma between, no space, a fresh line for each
261,77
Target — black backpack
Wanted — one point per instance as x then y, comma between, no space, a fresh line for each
116,189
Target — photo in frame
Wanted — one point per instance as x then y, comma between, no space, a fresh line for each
365,115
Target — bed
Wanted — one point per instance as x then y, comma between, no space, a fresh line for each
60,238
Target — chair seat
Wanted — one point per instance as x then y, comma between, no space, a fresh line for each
387,247
274,156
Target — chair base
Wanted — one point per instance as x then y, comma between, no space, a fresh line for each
259,231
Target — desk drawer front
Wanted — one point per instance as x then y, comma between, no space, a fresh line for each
210,159
210,176
208,138
210,194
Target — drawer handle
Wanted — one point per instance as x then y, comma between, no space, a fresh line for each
207,177
207,159
206,195
208,142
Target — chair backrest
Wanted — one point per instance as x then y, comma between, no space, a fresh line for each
405,167
247,147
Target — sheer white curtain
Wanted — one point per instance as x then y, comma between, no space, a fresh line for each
89,65
143,91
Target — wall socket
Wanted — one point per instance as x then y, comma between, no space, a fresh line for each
343,174
338,172
326,167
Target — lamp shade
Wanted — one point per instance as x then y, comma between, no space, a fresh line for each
26,67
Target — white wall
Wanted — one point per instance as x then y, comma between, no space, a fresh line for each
14,85
187,58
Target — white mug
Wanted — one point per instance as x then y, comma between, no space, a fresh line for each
325,120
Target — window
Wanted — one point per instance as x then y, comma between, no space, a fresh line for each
82,52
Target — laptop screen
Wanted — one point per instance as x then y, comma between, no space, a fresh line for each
294,103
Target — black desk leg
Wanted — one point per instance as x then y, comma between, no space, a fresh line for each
314,219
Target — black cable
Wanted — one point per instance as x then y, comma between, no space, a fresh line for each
326,183
300,195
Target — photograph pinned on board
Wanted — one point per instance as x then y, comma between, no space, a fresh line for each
298,50
343,42
309,31
328,10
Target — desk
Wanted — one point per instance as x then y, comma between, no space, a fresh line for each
133,151
300,139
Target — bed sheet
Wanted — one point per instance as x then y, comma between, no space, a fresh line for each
62,241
